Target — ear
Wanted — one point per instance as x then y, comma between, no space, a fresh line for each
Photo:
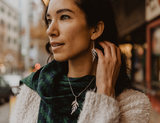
97,30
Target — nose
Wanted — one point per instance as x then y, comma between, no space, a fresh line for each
52,30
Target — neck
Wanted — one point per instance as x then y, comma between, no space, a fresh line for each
82,67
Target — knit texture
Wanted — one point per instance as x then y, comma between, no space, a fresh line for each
26,107
129,107
56,97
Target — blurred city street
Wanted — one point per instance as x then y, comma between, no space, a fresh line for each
23,42
4,113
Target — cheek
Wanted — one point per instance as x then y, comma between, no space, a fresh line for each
76,37
76,34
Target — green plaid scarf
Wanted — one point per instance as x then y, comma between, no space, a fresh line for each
51,83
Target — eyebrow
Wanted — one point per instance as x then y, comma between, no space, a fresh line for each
60,11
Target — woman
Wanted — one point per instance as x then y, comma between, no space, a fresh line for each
78,85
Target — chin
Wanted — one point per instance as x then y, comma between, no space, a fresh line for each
60,59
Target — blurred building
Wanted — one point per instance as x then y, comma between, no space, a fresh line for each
153,51
13,3
131,24
24,10
139,28
38,37
23,7
38,52
9,36
30,17
33,35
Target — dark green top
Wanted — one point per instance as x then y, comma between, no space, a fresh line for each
51,83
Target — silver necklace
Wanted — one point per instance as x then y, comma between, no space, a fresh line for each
75,104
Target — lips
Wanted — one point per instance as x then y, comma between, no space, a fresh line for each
56,45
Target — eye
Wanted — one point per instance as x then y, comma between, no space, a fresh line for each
49,21
64,17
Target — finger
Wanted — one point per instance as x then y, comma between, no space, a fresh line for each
109,43
118,65
119,55
113,48
99,53
107,50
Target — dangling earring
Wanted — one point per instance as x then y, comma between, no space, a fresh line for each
94,53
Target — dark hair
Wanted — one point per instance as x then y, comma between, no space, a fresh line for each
102,10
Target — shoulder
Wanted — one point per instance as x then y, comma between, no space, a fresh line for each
26,91
134,105
27,96
131,95
27,105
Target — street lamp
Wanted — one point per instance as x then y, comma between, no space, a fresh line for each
2,68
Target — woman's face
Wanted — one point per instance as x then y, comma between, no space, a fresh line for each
69,34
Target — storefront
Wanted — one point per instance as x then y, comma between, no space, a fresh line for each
132,28
139,28
134,46
153,51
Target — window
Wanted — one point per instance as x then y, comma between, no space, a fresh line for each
9,39
9,13
15,29
1,37
15,17
156,54
2,9
2,22
15,41
9,26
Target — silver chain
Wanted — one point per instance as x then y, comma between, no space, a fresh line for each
82,91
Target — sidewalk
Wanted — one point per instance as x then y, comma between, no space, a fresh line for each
4,113
12,103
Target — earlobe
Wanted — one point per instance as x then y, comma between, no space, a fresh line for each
98,30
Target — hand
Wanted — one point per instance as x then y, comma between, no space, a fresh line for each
108,68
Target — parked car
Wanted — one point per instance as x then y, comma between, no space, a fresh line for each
5,91
13,81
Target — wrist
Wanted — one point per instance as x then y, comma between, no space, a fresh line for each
106,91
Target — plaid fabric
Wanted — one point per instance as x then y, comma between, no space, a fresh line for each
51,83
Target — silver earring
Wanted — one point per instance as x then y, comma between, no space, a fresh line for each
94,53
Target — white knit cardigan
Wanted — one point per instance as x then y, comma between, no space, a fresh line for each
129,107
